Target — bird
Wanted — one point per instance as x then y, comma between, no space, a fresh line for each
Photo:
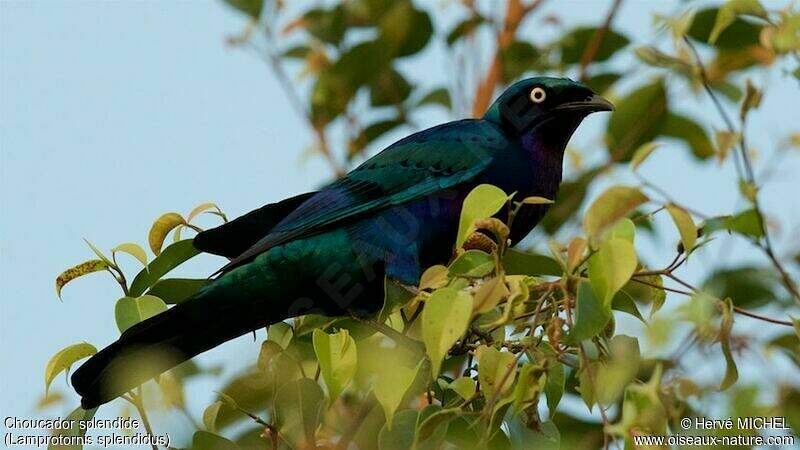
328,252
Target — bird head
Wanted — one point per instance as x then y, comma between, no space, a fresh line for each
534,102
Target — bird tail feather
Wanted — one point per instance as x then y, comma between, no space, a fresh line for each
165,340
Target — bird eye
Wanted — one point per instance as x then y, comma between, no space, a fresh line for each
538,94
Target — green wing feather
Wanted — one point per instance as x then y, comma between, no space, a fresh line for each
410,169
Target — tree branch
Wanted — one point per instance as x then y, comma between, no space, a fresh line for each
515,14
597,40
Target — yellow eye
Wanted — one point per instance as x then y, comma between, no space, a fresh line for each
538,95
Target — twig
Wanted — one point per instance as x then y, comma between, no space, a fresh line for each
597,40
766,245
515,14
136,400
274,63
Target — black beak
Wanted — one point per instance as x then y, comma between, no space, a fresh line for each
591,104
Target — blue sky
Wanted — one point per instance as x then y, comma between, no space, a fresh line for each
115,112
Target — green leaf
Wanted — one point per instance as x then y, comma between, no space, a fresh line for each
619,371
337,358
401,434
64,359
641,154
731,373
591,316
405,30
464,28
613,204
517,58
546,437
172,256
203,440
75,419
623,302
281,333
444,319
489,295
636,120
388,88
518,262
84,268
161,228
133,250
430,432
496,371
463,386
611,267
685,225
482,202
688,131
129,310
327,25
395,296
730,10
472,264
574,43
210,416
738,35
623,229
439,96
747,223
177,290
434,277
554,386
602,82
747,286
530,383
390,385
251,8
299,406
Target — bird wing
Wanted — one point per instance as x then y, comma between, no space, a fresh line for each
412,168
235,237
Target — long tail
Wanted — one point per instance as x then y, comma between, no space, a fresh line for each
161,342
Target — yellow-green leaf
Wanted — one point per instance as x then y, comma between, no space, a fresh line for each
496,370
129,311
210,416
280,333
472,264
731,372
641,154
390,385
203,207
613,204
725,141
685,225
76,431
91,266
444,319
62,361
434,277
489,295
730,10
132,249
464,386
575,251
529,384
298,411
337,358
536,201
482,202
611,267
161,228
